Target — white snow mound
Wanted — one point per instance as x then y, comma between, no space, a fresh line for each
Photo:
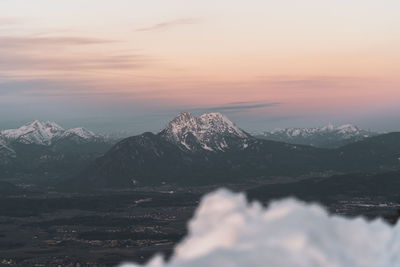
228,231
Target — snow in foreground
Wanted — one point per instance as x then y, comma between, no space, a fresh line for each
228,231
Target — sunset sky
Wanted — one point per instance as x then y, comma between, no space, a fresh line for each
132,65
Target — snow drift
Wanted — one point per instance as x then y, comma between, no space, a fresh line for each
229,231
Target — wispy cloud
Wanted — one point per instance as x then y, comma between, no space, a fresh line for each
169,24
51,63
313,82
29,41
237,107
53,54
78,88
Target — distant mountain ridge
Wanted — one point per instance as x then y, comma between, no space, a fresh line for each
209,149
328,136
44,133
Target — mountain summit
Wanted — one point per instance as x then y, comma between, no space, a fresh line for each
212,132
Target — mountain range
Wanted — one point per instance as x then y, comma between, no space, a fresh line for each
204,150
212,149
46,149
327,137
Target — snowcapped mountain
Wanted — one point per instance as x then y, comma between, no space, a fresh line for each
36,132
45,149
45,133
212,132
210,149
328,136
52,139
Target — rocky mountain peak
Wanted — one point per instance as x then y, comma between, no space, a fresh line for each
210,132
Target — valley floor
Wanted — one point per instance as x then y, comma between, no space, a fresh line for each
110,227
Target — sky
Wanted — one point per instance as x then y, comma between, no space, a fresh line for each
128,65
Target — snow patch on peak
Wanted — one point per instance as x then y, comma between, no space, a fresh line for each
329,127
217,120
180,123
348,128
80,132
185,116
